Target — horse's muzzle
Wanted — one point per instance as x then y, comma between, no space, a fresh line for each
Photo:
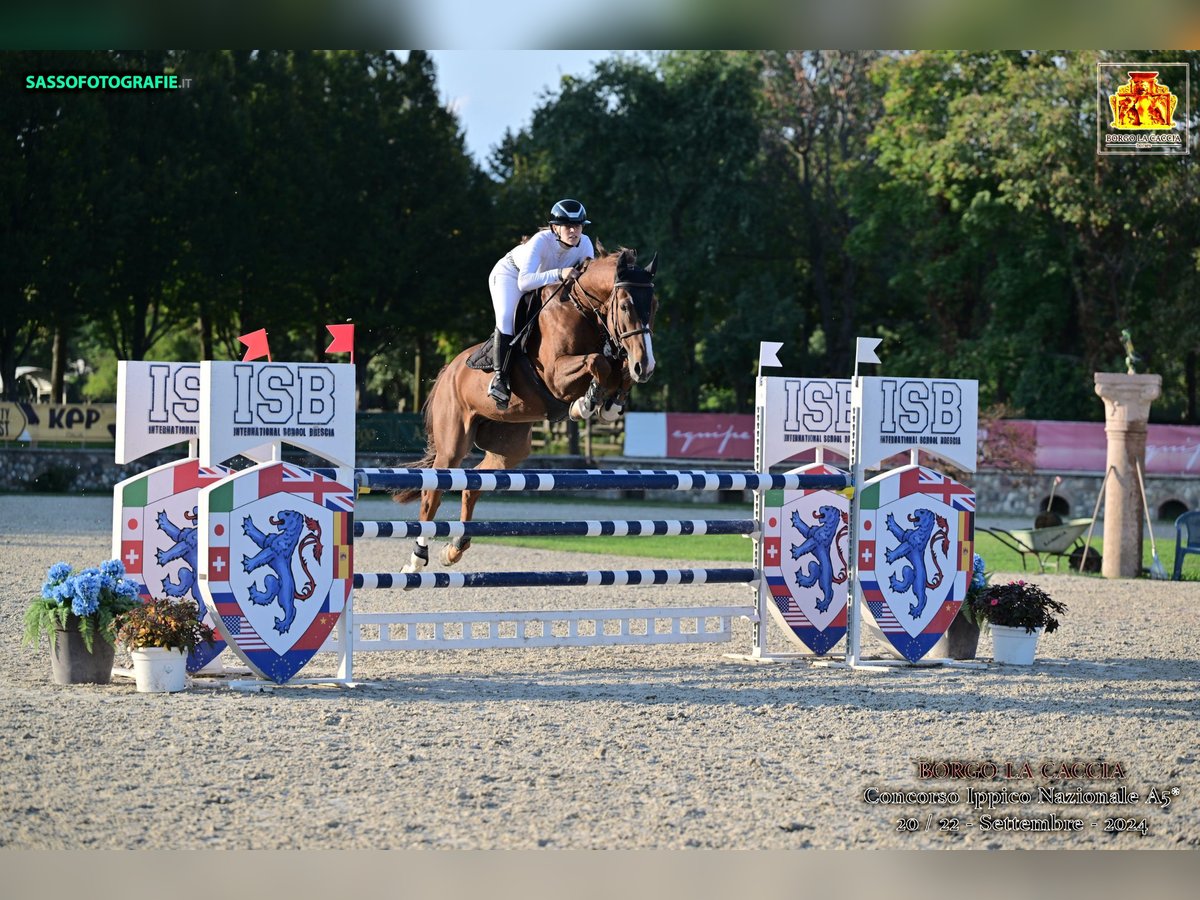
641,372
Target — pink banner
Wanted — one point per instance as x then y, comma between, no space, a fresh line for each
710,436
1044,445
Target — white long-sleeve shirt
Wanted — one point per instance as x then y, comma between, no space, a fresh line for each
536,262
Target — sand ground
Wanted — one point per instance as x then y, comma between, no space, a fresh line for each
623,747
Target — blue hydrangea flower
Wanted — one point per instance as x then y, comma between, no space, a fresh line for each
978,564
126,589
86,599
113,569
58,572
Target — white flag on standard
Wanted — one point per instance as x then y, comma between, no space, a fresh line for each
768,353
865,353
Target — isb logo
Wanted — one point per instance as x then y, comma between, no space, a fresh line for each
920,406
279,394
174,393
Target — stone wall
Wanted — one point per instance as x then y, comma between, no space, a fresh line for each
1000,494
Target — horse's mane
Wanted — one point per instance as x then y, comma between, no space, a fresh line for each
625,257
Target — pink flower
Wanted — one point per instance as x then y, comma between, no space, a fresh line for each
995,601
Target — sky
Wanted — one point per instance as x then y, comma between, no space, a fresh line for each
496,90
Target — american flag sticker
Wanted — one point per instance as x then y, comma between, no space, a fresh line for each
243,632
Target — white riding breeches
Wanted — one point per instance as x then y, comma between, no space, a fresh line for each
502,284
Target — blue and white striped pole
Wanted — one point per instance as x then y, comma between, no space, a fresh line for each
574,480
582,528
595,578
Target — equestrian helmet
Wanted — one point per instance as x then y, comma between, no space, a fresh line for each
568,212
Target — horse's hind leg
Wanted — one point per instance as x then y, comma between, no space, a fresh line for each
452,436
430,501
505,445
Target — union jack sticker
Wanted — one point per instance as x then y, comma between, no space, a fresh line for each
806,539
276,563
155,535
916,535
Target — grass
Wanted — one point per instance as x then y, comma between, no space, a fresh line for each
736,548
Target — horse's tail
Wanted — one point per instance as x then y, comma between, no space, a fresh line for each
409,494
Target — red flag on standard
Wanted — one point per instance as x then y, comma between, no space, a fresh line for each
256,345
343,339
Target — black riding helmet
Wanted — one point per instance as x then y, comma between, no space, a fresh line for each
568,212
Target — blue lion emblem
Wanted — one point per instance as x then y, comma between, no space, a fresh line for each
276,553
912,549
184,548
819,538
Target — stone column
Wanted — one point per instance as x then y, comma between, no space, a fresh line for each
1127,400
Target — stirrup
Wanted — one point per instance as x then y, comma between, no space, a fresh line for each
499,391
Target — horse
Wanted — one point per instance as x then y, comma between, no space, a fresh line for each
588,343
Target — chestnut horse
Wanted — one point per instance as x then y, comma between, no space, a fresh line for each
589,340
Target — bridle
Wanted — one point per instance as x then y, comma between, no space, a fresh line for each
614,340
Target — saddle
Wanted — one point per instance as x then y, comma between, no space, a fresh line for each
482,359
527,308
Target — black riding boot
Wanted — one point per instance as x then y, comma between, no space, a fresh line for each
499,390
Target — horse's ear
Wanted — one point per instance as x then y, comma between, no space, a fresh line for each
653,264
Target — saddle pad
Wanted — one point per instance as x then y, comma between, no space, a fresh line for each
481,359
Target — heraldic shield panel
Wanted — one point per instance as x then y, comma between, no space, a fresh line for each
916,538
276,563
806,538
155,536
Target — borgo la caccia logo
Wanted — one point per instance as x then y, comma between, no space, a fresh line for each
1142,103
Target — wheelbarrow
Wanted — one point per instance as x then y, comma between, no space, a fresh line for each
1054,541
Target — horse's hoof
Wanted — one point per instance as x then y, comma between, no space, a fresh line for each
581,410
415,564
451,555
610,412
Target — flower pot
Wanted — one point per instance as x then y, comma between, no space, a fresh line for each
159,670
72,663
1014,646
960,641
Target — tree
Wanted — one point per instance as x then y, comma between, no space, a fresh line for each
665,153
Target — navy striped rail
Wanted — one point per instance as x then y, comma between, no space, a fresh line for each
590,480
585,528
616,577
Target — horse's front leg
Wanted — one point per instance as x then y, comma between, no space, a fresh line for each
614,403
583,381
430,501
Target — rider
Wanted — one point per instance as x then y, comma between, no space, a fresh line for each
549,257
